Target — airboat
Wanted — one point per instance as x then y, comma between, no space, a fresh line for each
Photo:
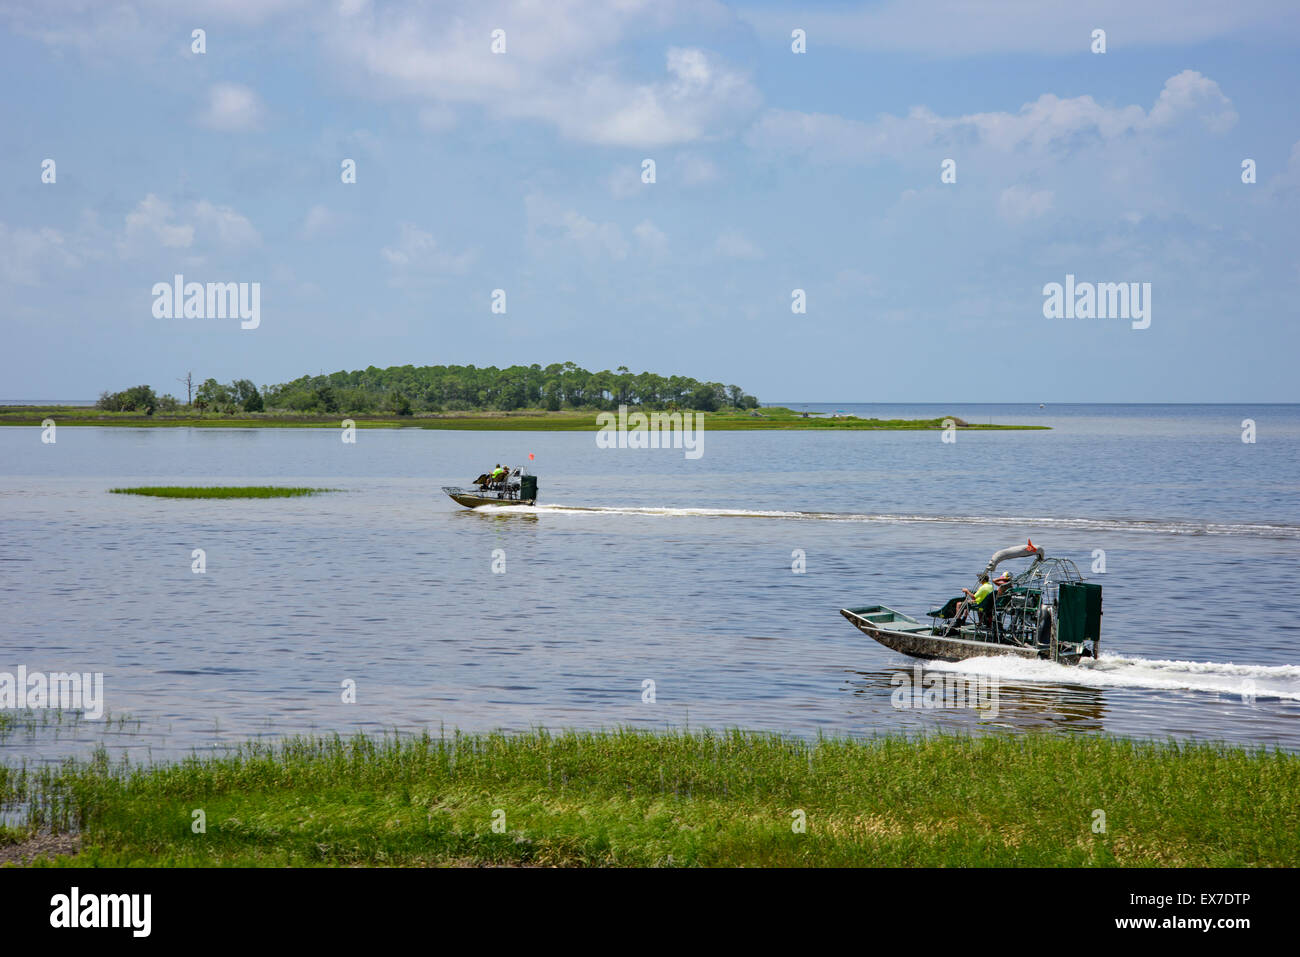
515,488
1047,612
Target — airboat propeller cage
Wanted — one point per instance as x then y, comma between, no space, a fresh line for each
1017,551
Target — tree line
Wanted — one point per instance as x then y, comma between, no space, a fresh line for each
405,390
239,396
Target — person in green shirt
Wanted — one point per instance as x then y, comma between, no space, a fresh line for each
973,600
980,599
980,593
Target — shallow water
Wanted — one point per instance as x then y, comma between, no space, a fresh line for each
643,564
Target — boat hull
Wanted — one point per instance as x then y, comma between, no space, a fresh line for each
476,499
908,636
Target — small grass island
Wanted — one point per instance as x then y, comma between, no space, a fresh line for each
219,491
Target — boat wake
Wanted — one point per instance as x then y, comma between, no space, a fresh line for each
1241,682
1167,527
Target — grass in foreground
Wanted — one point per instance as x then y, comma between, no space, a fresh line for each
218,491
640,798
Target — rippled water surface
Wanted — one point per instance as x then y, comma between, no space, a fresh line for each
643,564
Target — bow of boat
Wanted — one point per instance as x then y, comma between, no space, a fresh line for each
906,635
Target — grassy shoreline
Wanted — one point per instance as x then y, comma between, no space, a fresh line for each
523,420
636,798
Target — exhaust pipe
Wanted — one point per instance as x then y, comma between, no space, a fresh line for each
1017,551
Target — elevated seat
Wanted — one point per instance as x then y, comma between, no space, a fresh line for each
948,610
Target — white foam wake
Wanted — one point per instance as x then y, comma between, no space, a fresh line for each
1280,682
1168,527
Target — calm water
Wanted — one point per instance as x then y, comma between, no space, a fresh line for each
643,564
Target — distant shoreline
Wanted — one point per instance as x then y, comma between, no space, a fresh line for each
796,406
766,418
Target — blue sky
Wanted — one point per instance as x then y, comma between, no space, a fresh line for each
774,171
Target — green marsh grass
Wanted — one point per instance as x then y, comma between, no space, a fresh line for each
219,491
638,798
526,420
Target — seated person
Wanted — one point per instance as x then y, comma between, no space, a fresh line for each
1002,583
974,599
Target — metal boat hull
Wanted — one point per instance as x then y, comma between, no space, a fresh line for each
907,635
476,499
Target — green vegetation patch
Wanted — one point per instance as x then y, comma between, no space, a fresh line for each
219,491
524,420
634,798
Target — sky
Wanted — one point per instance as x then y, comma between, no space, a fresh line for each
523,168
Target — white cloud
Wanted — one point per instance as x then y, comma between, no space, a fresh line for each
417,251
438,118
232,107
137,29
1285,185
231,228
560,66
25,252
1047,123
319,220
154,223
1019,204
701,98
576,66
93,30
962,28
650,236
733,244
624,181
1191,94
695,170
551,226
150,224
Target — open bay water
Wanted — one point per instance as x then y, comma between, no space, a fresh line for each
643,564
